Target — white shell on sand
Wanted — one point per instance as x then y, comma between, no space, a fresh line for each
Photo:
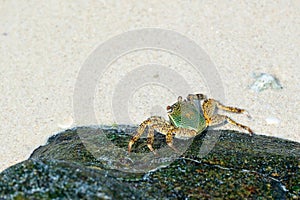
265,81
272,120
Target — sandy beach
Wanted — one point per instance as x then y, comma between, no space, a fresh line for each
44,46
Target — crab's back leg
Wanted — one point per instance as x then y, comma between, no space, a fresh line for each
199,97
209,107
209,110
219,119
231,109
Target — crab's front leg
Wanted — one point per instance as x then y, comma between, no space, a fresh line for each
158,124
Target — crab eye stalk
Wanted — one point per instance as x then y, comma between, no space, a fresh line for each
179,99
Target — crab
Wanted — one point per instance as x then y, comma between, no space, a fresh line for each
187,118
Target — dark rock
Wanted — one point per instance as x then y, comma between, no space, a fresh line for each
42,179
93,163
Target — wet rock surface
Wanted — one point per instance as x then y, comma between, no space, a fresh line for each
93,163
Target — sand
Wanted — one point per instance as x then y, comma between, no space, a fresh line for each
44,46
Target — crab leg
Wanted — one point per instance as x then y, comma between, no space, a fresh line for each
209,109
138,134
154,123
150,139
219,119
169,140
232,109
199,97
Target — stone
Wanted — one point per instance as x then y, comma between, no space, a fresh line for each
93,163
265,81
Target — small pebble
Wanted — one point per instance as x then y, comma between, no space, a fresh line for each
265,81
272,120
